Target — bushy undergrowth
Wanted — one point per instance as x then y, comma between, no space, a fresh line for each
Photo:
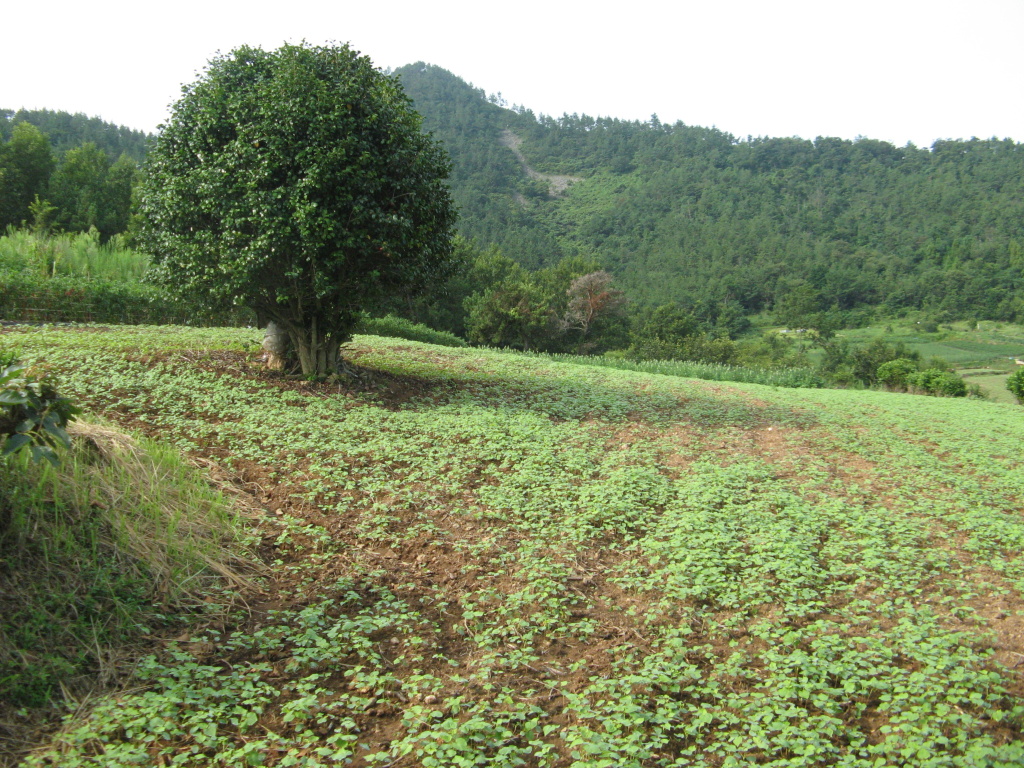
29,298
893,374
400,328
75,278
933,381
95,553
79,255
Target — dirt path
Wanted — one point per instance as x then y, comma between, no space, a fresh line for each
557,184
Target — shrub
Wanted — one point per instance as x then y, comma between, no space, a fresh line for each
1016,385
934,381
893,374
32,414
400,328
975,392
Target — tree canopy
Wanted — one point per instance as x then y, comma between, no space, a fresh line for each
26,162
297,182
67,171
682,214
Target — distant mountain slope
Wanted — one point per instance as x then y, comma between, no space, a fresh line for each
67,131
689,214
488,183
684,213
557,183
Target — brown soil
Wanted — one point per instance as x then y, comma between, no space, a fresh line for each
440,563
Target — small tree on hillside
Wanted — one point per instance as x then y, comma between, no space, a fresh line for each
893,374
935,381
26,162
515,313
591,300
671,333
298,183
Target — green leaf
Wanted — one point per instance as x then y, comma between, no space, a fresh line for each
40,452
27,425
13,397
15,443
58,433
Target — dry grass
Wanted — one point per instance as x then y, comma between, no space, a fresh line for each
119,543
161,514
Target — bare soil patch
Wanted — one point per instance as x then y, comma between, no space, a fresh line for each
557,183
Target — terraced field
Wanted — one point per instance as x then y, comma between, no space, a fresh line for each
480,559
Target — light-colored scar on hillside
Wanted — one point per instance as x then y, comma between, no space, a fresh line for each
556,184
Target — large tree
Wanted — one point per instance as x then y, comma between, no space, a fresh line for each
26,162
77,189
297,182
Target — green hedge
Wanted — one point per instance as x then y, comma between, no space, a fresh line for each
25,298
400,328
934,381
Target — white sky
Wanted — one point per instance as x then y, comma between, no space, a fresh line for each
898,70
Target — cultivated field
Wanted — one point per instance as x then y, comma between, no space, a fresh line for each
482,559
961,343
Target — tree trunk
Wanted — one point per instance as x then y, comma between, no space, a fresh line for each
312,340
319,350
276,345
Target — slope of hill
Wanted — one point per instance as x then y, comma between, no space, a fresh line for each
68,131
486,559
683,213
678,213
487,181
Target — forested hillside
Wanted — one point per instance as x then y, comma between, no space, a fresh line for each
688,214
67,131
488,183
68,172
825,232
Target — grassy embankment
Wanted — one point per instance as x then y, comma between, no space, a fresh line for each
485,559
119,543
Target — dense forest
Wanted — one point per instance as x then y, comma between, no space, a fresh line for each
67,172
822,233
829,229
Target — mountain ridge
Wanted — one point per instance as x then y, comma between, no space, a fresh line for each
690,215
687,214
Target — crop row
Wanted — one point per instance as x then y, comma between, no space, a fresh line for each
532,562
